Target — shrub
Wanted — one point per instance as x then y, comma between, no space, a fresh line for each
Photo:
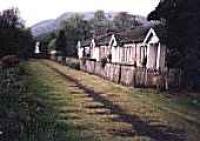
109,57
144,61
103,62
9,61
73,63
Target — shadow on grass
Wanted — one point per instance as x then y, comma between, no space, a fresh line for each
139,127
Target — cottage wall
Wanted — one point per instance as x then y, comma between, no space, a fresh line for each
115,54
151,56
138,54
96,53
103,51
127,54
162,61
156,56
156,51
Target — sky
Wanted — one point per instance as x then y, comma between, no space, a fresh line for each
34,11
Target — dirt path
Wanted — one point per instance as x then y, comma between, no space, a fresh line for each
109,115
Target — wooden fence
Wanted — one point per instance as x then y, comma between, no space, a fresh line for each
130,76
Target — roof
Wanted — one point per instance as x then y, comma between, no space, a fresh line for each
136,34
99,40
86,43
103,39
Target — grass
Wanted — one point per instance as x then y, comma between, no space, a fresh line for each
179,104
63,104
146,104
69,106
49,89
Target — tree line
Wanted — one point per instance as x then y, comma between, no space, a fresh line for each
77,29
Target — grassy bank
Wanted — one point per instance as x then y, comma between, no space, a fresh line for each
53,109
28,110
45,101
147,104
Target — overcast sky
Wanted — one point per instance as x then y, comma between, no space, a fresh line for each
33,11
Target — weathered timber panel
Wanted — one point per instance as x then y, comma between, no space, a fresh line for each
127,75
116,73
140,77
109,71
98,68
83,65
90,65
131,76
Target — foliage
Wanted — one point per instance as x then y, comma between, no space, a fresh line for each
52,44
104,62
182,18
76,29
14,38
73,63
144,61
100,24
109,57
9,61
61,42
45,41
123,20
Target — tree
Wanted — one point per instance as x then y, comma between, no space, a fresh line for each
14,38
61,42
182,18
100,24
99,15
74,29
123,20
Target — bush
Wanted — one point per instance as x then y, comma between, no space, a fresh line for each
73,63
9,61
103,62
144,61
110,57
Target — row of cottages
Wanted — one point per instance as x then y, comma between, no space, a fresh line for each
141,46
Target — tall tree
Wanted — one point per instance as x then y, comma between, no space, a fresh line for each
99,15
100,23
61,42
123,20
14,38
75,29
182,18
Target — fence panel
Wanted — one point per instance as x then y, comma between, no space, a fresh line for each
131,76
127,75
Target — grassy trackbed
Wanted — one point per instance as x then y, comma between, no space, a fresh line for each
153,109
63,104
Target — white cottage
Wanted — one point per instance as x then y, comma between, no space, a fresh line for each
126,46
84,49
155,43
97,48
141,46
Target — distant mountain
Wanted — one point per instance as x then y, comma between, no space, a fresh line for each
52,25
44,27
